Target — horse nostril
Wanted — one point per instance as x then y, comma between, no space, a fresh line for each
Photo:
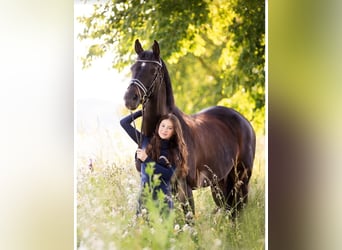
135,97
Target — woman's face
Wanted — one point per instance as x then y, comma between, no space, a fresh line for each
166,129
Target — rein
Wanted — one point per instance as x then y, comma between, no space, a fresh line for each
139,139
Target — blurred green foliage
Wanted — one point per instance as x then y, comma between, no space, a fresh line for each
214,47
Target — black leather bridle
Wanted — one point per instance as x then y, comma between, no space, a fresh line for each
147,92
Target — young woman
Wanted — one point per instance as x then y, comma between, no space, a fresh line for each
166,149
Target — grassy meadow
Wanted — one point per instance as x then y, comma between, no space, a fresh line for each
107,199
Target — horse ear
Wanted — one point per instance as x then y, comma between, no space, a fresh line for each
155,49
138,47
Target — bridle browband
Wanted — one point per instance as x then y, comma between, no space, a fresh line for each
151,61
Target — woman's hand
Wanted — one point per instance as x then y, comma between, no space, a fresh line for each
141,154
164,161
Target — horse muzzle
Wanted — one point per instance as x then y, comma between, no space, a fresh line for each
132,98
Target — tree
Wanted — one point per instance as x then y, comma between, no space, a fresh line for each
216,47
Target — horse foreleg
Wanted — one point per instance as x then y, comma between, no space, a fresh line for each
185,196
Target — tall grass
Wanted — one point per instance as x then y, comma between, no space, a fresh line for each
107,197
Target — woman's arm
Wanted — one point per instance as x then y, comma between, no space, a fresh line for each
165,171
126,124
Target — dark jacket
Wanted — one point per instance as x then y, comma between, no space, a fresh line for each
160,167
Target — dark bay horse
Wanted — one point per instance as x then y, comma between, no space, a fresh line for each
220,141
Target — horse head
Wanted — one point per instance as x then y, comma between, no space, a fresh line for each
146,74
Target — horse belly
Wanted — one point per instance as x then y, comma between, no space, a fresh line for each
218,153
218,138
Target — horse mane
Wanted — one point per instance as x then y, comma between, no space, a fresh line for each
170,101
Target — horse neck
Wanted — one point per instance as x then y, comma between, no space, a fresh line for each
149,123
157,106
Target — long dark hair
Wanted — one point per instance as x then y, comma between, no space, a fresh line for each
177,148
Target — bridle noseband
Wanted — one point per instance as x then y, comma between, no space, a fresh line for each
141,86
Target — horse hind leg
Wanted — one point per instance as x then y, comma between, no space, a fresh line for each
231,193
217,192
237,189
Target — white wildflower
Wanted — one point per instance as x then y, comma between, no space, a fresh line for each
186,227
143,211
189,215
217,243
124,234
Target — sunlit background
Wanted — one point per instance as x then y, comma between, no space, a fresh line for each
99,104
99,86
